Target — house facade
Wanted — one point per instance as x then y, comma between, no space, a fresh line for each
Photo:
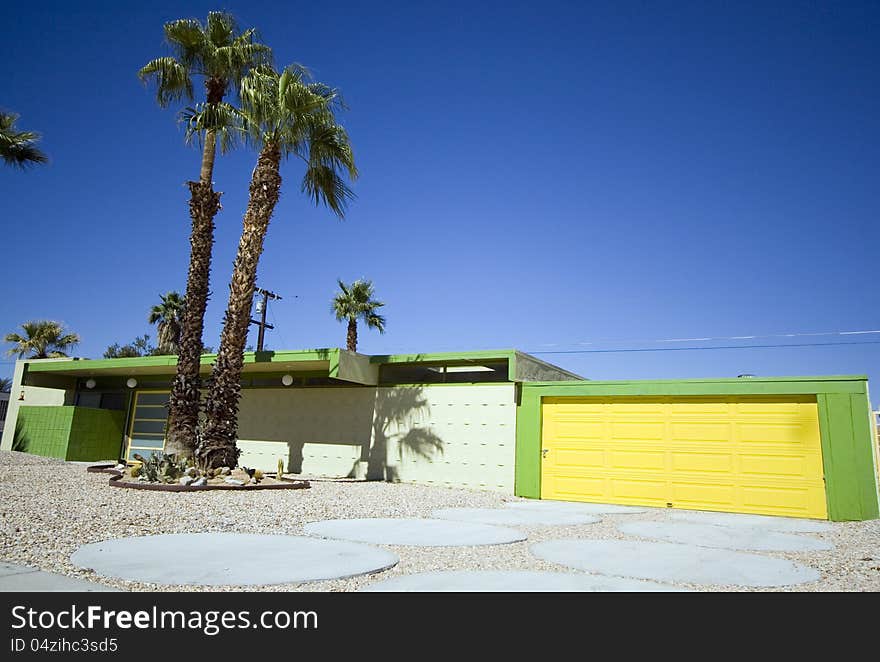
499,420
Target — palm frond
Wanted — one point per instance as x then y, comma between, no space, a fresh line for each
173,81
222,118
18,148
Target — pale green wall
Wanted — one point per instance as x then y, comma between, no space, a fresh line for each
462,435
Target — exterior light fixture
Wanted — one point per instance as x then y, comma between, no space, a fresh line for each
90,383
287,380
131,382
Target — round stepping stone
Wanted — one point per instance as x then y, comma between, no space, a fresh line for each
785,524
516,580
230,559
663,561
518,517
415,532
724,537
543,505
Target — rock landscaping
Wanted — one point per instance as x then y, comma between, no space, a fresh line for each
50,508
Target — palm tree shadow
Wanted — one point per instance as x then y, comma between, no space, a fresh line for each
399,420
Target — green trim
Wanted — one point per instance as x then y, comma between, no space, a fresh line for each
845,427
847,456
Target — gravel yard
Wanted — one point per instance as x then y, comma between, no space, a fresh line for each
50,507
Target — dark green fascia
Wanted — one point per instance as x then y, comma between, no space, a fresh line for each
58,365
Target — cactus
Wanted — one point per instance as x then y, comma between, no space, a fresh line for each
161,468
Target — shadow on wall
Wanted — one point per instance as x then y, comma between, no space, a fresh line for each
398,419
20,440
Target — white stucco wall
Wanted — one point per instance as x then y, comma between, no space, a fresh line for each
460,435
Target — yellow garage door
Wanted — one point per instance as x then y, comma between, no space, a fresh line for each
744,455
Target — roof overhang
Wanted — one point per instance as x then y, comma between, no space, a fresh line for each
335,363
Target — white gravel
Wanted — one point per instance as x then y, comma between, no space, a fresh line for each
48,508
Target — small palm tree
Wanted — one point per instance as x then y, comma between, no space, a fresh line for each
283,114
220,55
18,148
42,339
167,315
356,302
5,384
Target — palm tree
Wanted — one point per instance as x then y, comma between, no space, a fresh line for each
216,52
42,339
18,148
282,114
356,302
167,316
5,384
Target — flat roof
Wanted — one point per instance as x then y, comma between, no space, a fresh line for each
335,362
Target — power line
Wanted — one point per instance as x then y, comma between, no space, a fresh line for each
715,338
687,349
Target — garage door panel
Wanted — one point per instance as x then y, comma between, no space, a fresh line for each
694,493
586,488
700,431
690,461
792,500
580,457
639,489
580,430
643,460
769,465
627,430
752,455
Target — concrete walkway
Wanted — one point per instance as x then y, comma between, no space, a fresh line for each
512,580
784,524
754,539
415,532
21,578
663,561
516,517
230,559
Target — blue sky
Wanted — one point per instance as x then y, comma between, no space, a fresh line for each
533,175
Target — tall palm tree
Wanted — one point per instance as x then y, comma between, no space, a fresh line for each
43,339
356,302
283,115
18,148
220,55
167,316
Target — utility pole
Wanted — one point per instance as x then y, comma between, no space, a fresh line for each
262,304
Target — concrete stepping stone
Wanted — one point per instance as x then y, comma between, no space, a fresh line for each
514,580
230,559
21,578
725,537
784,524
673,562
415,532
545,505
516,517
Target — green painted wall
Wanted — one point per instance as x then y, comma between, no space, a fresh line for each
844,424
69,433
43,430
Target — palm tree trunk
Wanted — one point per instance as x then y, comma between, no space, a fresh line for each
183,405
217,446
206,174
352,337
